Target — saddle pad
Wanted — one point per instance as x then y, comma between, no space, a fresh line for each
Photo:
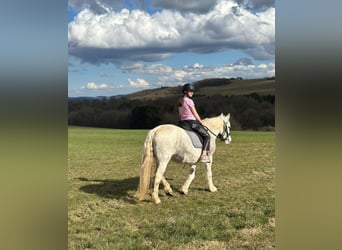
196,142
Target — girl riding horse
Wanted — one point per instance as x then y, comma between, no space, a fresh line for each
189,118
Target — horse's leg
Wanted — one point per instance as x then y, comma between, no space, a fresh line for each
185,187
211,186
159,176
167,186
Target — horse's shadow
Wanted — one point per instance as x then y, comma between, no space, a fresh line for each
112,189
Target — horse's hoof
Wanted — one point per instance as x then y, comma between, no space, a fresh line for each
184,192
214,189
156,200
168,191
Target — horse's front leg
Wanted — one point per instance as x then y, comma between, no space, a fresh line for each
185,187
211,186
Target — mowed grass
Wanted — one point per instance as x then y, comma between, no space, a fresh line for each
103,213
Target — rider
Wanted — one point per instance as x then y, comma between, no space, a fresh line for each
190,118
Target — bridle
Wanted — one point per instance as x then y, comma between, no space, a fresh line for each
224,136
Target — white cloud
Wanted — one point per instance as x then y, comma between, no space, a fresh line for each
195,72
198,66
92,85
138,83
116,36
142,68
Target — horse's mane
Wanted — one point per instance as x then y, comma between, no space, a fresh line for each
214,123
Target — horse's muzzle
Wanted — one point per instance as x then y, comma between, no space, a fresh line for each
228,140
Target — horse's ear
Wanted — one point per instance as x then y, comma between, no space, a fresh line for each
228,116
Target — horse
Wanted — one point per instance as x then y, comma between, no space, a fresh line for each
170,142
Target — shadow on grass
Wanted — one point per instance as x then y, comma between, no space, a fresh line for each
112,189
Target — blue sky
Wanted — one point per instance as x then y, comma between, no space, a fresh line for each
119,47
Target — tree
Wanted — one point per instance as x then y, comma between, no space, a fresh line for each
146,117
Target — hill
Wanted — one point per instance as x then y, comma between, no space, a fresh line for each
211,87
250,102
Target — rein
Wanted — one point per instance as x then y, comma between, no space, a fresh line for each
218,135
206,128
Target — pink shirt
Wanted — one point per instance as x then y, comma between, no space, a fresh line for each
185,111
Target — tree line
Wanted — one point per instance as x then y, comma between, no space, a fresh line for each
248,112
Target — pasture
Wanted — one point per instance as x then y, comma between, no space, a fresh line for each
103,175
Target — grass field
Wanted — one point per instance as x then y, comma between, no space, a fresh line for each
103,213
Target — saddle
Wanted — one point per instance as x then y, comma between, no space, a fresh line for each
196,139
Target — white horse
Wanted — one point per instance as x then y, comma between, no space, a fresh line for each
167,142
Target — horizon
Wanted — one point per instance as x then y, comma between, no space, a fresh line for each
155,88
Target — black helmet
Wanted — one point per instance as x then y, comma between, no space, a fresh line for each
187,87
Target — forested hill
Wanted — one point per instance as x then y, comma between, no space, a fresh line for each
251,104
213,86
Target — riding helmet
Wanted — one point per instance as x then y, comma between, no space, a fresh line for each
187,87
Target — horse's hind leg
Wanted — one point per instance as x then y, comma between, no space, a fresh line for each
167,186
159,176
185,187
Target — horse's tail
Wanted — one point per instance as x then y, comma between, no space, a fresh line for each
146,166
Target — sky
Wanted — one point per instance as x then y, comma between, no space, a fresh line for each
118,47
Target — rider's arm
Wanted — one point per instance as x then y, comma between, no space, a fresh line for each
198,118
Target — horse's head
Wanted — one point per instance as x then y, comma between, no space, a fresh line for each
224,135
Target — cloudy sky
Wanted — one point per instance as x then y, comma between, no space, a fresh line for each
123,46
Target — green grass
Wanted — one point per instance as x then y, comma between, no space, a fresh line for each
103,213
